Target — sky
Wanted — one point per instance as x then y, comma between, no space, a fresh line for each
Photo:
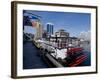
72,22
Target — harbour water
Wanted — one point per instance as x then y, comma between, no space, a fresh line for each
31,57
87,52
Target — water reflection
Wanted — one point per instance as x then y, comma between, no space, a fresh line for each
87,51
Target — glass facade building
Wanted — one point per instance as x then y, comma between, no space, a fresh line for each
50,28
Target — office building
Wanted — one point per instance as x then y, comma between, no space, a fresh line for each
50,28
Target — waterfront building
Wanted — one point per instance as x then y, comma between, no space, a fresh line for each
39,30
45,34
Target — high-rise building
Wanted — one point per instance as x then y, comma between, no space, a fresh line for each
50,28
39,30
36,23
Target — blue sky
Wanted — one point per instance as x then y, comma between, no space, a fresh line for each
72,22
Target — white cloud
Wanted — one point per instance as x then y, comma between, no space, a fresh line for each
86,35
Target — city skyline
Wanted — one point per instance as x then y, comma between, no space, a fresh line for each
74,23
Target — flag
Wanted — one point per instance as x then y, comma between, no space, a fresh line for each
30,19
34,23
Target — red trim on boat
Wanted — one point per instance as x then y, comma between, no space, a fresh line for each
73,50
78,60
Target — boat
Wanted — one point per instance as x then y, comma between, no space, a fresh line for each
70,56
